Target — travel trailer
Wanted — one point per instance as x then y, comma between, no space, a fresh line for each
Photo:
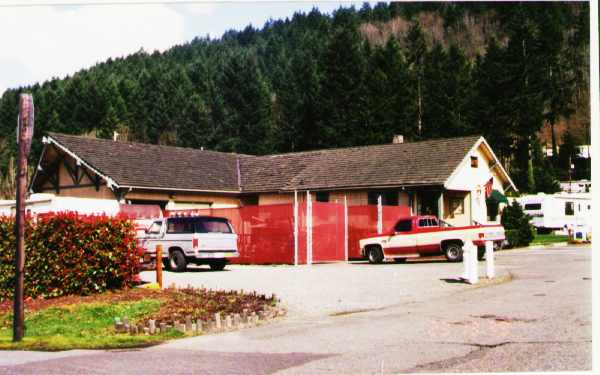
558,212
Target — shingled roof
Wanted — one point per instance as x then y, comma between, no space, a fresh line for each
153,166
417,163
164,167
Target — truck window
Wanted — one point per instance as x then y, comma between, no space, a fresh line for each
155,228
403,226
180,225
212,225
433,223
533,206
423,223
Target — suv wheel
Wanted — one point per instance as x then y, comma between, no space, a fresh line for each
375,255
177,261
453,252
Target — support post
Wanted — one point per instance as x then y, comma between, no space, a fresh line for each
441,206
490,267
470,252
295,227
345,228
158,260
25,124
309,229
379,215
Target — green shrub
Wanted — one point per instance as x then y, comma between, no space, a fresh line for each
67,253
519,232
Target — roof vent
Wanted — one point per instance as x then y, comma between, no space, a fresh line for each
398,138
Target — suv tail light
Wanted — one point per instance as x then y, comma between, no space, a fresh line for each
195,243
481,235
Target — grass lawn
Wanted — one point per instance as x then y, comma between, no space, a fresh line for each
546,239
75,322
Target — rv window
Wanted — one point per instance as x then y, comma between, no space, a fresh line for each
533,206
569,208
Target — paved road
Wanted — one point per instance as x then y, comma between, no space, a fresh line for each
540,321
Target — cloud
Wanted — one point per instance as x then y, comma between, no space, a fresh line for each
45,42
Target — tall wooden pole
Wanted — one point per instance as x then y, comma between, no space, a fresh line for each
24,135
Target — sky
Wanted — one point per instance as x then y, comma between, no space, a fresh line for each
41,40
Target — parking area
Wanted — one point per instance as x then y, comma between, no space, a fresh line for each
336,288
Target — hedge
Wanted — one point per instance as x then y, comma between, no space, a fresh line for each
66,253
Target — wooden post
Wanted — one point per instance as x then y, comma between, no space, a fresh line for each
25,125
158,260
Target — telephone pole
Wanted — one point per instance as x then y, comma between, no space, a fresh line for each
25,125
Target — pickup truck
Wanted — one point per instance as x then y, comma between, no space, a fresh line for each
417,236
198,239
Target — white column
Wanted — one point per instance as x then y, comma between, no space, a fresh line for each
441,206
379,215
295,227
490,268
473,277
309,229
466,263
345,228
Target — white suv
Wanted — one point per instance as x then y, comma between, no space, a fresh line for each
198,239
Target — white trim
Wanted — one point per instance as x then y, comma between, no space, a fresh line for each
345,228
379,215
309,229
466,159
295,228
109,181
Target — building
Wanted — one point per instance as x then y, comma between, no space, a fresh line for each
444,177
578,186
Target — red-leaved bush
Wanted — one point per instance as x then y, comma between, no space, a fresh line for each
67,253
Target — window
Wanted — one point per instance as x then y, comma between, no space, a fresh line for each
569,208
429,222
388,198
180,225
492,210
403,226
322,196
212,225
155,228
533,206
456,206
474,162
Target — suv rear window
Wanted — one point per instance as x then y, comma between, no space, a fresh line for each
212,225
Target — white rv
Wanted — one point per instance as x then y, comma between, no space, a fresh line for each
558,212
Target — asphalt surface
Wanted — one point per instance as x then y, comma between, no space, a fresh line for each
420,320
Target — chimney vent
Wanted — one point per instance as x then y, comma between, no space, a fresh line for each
398,138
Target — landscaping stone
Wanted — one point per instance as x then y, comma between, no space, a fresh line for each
198,326
152,326
228,322
237,320
163,327
188,323
146,331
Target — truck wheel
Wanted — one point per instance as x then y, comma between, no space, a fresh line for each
480,252
375,255
218,266
166,264
177,261
453,252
